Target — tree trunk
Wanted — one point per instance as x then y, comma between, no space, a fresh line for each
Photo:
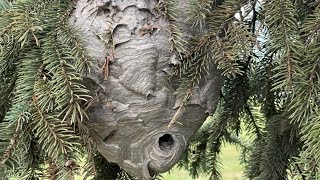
134,100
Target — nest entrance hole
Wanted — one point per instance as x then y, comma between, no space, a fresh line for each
166,142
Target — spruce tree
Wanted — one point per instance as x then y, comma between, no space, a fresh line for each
270,59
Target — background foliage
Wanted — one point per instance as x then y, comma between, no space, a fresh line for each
267,51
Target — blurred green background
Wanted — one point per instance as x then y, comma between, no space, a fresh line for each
230,169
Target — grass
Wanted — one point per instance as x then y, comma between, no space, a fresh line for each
230,169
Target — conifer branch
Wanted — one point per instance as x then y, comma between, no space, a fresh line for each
283,29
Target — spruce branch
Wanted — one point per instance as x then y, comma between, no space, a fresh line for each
83,62
38,97
304,106
56,138
168,9
69,93
280,19
212,48
4,4
8,140
198,14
